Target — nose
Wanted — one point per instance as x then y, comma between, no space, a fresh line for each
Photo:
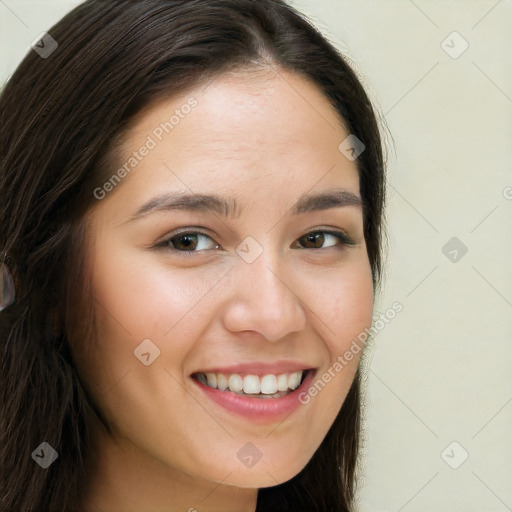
264,299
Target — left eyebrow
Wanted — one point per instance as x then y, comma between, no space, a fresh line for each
309,202
324,200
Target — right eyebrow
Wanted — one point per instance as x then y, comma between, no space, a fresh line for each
191,202
228,207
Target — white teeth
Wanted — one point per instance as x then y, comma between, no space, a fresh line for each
266,386
251,384
294,380
211,379
222,382
282,382
235,383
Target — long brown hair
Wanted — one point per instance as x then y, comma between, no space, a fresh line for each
59,116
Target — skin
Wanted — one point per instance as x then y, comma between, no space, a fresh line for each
264,138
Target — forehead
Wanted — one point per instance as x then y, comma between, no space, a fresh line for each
253,110
270,131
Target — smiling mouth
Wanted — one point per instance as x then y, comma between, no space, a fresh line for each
256,386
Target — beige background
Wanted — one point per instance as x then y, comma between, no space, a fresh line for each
440,372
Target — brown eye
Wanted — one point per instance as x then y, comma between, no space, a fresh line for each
189,242
185,242
317,239
313,240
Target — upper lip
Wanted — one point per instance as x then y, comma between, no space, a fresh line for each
258,368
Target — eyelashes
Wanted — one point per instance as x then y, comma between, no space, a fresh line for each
191,241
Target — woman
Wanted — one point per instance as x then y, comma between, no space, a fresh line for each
192,203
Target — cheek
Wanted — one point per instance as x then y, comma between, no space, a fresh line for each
148,299
344,313
344,304
135,301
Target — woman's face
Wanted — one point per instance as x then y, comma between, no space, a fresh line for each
230,254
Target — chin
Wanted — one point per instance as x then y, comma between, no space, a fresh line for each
264,473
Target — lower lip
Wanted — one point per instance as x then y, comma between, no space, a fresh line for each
258,409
